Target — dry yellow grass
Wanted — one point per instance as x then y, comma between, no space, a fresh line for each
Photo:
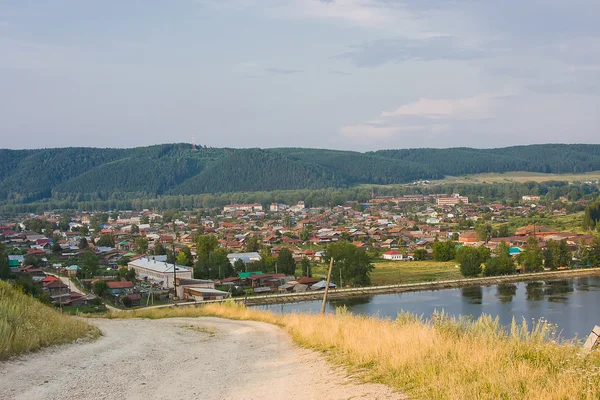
27,325
442,359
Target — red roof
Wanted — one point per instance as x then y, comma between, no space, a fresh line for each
305,280
392,253
48,279
119,285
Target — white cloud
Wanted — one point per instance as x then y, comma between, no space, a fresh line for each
378,14
475,107
371,131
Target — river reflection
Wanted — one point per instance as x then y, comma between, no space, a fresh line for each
568,303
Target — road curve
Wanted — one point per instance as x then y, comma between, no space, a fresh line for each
181,358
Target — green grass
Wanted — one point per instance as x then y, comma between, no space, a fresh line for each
28,325
519,176
566,223
84,310
395,272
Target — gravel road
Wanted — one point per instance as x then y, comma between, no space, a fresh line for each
183,358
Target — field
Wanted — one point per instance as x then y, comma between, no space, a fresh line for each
567,223
395,272
518,176
27,325
440,359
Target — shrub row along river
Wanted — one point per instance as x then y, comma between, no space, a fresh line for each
570,304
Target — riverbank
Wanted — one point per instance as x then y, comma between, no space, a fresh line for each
444,358
410,287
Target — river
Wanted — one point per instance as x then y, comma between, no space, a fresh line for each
571,304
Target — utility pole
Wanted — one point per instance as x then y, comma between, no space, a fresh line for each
174,271
327,286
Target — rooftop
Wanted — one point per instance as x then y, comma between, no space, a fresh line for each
157,266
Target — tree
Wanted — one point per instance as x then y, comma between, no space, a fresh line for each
130,274
305,234
159,249
90,264
4,267
420,254
188,254
56,247
135,229
503,230
83,244
305,264
483,231
252,244
239,265
550,255
220,266
141,245
286,262
501,264
201,267
444,251
206,244
470,259
100,288
352,265
531,258
106,240
33,260
182,259
144,219
591,216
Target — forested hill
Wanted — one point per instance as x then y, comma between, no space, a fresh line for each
172,169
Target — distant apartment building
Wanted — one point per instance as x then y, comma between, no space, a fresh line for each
452,201
530,198
243,207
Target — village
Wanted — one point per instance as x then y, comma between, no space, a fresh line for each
131,259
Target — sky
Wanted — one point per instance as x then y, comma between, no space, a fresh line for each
341,74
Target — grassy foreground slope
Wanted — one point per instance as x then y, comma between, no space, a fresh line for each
443,359
27,325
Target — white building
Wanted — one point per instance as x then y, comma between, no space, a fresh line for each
159,272
454,200
245,257
396,256
276,207
243,207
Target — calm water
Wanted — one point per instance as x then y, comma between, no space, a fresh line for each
572,304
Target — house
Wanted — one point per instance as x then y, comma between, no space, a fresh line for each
468,237
395,256
58,291
166,239
120,287
536,230
72,270
14,262
161,273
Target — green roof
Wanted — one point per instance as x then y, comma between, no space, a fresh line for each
129,255
13,263
244,275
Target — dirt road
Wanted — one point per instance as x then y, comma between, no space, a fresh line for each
183,358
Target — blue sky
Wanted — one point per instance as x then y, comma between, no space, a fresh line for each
343,74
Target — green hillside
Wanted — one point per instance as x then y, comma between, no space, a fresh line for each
172,169
546,158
